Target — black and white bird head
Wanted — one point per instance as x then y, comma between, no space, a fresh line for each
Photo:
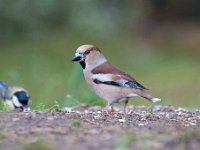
14,97
21,100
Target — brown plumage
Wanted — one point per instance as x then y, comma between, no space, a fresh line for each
108,68
107,81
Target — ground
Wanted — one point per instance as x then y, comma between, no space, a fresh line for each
89,128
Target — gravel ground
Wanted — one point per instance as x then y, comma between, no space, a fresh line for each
89,128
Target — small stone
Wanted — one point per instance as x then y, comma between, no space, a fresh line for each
15,119
140,124
99,112
122,120
179,113
97,117
86,112
192,124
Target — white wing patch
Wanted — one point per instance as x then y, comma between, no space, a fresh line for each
108,78
102,77
122,82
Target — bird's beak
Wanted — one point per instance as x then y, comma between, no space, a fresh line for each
26,109
78,57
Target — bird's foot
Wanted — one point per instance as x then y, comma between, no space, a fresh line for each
109,109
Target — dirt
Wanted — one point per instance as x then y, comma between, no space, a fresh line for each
89,128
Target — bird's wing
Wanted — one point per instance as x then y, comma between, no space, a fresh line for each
3,90
111,75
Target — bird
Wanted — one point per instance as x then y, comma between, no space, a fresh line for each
106,80
14,97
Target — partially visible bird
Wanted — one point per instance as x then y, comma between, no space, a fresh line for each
107,81
14,97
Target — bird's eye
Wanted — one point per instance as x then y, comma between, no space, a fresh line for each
87,52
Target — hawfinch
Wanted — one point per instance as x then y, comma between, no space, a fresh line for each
107,81
14,97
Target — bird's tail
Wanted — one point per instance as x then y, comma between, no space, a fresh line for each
147,96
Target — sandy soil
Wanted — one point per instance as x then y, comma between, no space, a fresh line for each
89,128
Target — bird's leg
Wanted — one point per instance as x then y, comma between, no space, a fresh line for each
106,108
109,108
125,104
112,109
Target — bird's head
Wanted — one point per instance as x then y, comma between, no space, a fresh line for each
3,90
88,55
21,100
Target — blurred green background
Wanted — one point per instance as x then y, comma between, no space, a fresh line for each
156,41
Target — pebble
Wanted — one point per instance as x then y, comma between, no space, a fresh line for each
122,120
140,124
